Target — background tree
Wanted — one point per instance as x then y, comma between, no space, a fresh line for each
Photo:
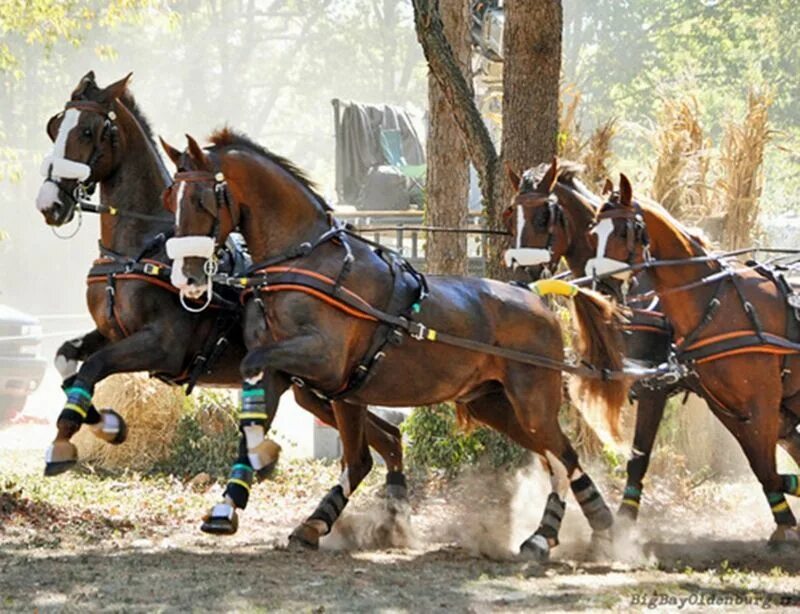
531,73
447,183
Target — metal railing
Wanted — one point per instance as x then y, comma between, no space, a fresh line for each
404,231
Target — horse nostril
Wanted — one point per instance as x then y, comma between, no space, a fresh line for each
193,281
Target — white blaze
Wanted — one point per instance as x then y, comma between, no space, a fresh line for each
57,166
600,264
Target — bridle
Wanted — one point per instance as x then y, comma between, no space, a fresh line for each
84,172
201,246
527,256
635,226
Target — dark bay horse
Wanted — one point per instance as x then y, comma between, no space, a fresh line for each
315,286
102,138
732,327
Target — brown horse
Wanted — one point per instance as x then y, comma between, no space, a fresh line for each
547,229
102,138
316,286
732,327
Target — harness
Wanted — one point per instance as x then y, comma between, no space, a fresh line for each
409,290
113,267
694,349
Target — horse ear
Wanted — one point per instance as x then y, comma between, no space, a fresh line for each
608,187
173,153
116,89
625,191
550,178
197,153
86,81
513,176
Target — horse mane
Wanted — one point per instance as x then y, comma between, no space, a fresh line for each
691,239
228,137
569,173
130,103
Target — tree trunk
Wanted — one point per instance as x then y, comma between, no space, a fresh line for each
447,185
531,75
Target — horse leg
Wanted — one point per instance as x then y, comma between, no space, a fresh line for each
356,464
142,351
649,412
257,454
758,438
382,436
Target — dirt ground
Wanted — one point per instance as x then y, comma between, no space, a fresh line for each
82,542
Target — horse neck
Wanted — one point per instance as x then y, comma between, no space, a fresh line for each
135,185
580,214
278,212
668,242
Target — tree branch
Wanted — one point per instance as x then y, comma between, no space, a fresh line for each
457,91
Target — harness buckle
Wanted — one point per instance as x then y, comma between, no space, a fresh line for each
417,330
151,269
297,381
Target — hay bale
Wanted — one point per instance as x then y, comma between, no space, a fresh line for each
151,409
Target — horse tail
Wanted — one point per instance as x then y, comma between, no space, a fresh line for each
600,344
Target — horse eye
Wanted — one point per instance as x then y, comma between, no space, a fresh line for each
540,219
87,132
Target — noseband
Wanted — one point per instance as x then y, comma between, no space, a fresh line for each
555,218
84,187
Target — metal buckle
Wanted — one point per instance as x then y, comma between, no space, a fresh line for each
297,381
151,269
417,330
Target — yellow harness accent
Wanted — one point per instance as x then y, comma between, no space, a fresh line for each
76,408
431,335
252,416
543,287
780,507
241,483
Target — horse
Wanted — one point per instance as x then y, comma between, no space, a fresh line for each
732,328
550,219
438,338
103,138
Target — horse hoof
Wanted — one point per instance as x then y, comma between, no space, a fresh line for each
535,548
221,520
118,431
303,538
785,537
51,469
397,492
60,457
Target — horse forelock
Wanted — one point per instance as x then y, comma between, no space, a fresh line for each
568,173
227,138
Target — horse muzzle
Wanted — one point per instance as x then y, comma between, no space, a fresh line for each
179,249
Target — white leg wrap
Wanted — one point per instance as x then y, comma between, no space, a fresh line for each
65,367
344,482
260,451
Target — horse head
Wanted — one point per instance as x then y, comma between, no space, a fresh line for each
536,221
622,238
205,214
86,143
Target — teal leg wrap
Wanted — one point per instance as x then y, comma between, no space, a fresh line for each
79,407
239,483
791,485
